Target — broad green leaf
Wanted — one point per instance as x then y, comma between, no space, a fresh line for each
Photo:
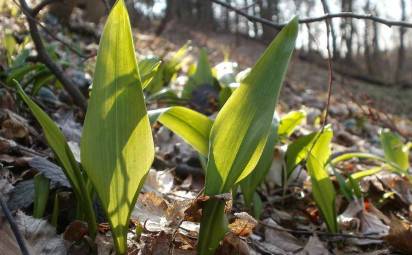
64,155
117,145
322,187
191,126
147,69
298,151
41,195
202,76
289,122
253,180
394,149
240,132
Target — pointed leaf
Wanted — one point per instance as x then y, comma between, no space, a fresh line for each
64,155
241,130
394,149
191,126
322,187
289,122
117,145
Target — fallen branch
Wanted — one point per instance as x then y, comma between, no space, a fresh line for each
324,17
14,228
44,57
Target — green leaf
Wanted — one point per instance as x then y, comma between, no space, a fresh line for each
41,195
147,69
250,184
117,146
289,122
240,132
394,149
191,126
64,155
322,187
202,76
298,151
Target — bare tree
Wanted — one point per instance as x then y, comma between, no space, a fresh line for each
401,50
347,29
326,9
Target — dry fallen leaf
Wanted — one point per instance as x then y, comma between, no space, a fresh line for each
40,237
314,247
243,224
400,236
282,240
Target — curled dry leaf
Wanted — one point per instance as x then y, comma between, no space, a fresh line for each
243,224
13,126
159,182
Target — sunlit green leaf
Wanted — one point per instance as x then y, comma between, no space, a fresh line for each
240,132
322,187
147,69
253,180
298,151
117,145
64,155
191,126
202,76
394,149
289,122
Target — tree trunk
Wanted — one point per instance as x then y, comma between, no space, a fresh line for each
332,29
401,50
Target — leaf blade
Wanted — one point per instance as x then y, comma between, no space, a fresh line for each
117,145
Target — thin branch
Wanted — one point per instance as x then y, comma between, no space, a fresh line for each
330,71
14,228
325,234
41,6
326,16
44,57
55,37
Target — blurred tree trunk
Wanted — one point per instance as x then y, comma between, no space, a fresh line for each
366,42
401,50
194,12
332,29
268,10
347,29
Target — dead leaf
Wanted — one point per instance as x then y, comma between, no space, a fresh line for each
75,231
232,244
160,182
400,236
50,170
283,240
39,235
314,247
243,225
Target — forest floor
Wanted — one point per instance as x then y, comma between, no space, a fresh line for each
378,223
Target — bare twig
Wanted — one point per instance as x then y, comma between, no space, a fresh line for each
44,57
326,16
330,72
325,234
41,6
14,228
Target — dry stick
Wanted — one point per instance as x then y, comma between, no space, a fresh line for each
43,56
41,6
326,16
14,228
327,234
